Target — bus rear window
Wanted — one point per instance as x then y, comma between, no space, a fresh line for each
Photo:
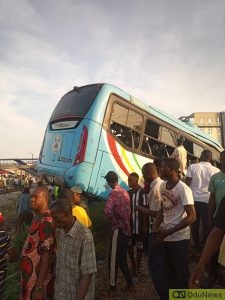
76,103
64,124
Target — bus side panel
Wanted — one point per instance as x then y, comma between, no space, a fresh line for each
79,175
101,188
118,159
95,173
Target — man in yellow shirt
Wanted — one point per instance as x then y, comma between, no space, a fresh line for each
77,193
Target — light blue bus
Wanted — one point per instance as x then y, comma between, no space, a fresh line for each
99,127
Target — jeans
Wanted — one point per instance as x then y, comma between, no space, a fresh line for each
177,263
156,268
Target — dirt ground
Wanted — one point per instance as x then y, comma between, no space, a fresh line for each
144,287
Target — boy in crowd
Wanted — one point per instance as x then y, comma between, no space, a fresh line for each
176,215
138,223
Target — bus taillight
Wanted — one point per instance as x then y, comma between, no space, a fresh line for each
82,146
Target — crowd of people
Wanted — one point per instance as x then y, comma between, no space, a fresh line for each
181,212
17,182
174,209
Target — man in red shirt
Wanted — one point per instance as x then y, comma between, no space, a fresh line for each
118,211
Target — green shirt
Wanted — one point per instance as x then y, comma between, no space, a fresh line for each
217,186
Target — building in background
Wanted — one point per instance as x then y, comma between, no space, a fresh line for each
210,122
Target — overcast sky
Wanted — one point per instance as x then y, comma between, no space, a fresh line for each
168,53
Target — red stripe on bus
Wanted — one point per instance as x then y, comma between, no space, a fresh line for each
115,153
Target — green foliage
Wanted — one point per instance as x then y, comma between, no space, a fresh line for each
96,212
19,240
13,274
12,282
101,230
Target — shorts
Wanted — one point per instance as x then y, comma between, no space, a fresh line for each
136,241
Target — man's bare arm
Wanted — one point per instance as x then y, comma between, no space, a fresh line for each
158,221
83,286
188,220
211,206
46,260
212,245
146,211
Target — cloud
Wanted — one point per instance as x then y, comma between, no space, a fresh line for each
168,53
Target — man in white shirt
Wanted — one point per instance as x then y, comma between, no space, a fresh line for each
155,254
180,153
198,178
176,215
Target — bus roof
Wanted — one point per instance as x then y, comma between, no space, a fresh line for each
188,127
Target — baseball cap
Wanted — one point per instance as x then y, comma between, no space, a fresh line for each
111,175
76,189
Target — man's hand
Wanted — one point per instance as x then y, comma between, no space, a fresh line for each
140,208
161,234
38,295
195,278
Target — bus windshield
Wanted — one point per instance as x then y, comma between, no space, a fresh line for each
76,103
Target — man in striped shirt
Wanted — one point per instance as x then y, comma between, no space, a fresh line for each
139,224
